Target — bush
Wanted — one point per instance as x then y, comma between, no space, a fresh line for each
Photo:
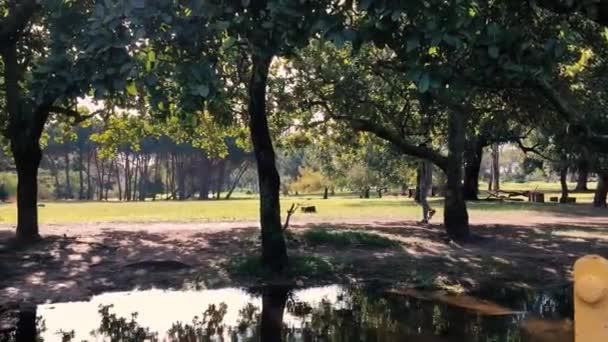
309,181
299,266
347,239
9,182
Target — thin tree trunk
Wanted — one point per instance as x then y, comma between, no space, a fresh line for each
128,177
495,167
136,162
68,183
55,174
274,249
456,217
472,164
563,180
80,174
89,180
221,174
599,200
237,180
99,168
582,176
326,193
204,173
118,179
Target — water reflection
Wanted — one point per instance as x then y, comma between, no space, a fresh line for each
331,313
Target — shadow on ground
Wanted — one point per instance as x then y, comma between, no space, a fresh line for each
64,268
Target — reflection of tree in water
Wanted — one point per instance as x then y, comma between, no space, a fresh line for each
358,315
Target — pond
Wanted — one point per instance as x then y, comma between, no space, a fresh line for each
328,313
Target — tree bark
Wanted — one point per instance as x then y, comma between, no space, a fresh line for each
27,160
563,180
582,176
204,173
473,154
326,193
273,307
80,174
274,249
68,182
599,200
118,179
24,131
456,217
89,180
495,166
221,175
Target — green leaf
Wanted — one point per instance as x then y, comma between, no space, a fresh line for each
132,89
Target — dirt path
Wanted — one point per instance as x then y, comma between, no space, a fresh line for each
80,260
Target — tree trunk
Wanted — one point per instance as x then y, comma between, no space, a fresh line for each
599,200
472,163
24,131
221,175
55,174
495,166
68,183
118,179
80,174
366,192
326,193
27,160
563,180
204,173
582,176
273,307
274,250
237,180
181,177
456,217
128,177
89,180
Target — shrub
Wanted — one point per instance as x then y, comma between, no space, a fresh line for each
346,239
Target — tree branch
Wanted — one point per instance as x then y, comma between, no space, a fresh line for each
78,117
404,146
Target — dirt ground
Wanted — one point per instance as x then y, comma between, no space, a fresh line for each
75,262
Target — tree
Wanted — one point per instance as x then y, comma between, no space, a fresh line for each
41,78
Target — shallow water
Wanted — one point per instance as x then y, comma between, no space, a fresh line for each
330,313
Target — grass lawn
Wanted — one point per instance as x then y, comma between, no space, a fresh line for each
246,209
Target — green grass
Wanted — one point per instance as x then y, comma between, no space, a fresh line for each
299,266
343,207
346,239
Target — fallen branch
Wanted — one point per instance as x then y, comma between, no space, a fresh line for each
290,212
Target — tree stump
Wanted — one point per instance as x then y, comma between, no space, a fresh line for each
536,197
